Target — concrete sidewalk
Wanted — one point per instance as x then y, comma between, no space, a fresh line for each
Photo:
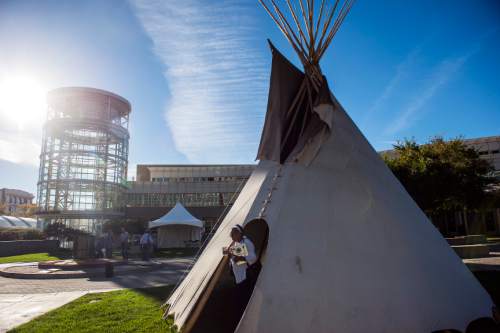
17,309
491,263
17,264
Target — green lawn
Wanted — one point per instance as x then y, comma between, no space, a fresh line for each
135,310
32,257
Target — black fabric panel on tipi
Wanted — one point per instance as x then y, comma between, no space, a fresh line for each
290,121
284,85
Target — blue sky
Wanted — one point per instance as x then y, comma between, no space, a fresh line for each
197,71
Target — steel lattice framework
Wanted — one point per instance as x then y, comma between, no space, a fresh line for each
83,163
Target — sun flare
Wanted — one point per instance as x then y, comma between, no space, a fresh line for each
22,101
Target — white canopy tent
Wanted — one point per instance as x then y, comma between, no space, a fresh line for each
177,228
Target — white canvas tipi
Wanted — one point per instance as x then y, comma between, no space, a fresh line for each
348,249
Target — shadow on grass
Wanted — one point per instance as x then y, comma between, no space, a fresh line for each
158,294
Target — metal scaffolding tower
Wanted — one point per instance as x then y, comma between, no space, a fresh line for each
83,163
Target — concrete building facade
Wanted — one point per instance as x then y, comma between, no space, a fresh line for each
489,149
12,198
205,190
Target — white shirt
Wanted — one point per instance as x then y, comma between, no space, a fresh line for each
240,271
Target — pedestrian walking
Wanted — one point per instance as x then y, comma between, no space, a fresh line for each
146,244
124,238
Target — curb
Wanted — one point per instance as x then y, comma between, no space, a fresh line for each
45,276
71,267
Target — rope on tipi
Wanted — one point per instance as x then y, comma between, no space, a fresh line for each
273,186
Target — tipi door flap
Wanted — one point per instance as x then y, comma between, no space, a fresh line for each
202,300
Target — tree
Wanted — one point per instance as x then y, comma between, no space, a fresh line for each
441,175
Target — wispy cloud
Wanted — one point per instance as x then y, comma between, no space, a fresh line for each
217,80
443,72
402,70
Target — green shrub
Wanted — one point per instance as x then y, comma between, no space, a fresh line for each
10,234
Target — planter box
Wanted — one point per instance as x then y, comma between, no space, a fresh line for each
472,251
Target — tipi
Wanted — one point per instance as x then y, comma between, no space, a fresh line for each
348,250
177,228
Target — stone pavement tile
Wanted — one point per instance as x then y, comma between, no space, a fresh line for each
167,275
22,309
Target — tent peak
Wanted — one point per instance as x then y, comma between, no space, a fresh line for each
313,28
178,215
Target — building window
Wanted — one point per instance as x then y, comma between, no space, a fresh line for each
208,199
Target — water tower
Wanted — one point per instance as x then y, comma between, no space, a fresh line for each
83,163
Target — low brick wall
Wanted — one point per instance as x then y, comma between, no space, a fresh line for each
13,248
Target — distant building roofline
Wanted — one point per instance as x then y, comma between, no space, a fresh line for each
192,165
483,138
18,192
89,90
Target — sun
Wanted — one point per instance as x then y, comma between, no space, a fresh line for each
22,101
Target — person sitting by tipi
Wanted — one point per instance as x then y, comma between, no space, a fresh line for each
244,264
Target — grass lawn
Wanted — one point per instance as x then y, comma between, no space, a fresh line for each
134,310
32,257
